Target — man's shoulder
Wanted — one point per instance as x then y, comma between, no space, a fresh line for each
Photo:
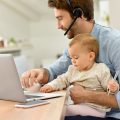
106,31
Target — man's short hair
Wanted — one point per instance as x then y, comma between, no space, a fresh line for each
86,5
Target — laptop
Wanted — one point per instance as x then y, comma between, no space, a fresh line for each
10,85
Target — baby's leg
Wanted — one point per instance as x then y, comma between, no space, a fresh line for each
84,110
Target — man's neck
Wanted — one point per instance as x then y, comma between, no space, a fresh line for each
87,26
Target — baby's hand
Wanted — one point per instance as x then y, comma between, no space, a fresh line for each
113,86
46,89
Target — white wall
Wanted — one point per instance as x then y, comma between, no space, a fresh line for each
114,13
96,10
47,40
12,24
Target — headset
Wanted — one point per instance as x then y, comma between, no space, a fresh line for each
76,12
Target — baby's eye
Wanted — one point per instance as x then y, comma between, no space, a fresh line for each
76,58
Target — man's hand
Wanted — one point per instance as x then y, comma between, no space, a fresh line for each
34,76
78,94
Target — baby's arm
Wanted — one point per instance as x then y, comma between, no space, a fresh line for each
112,87
46,89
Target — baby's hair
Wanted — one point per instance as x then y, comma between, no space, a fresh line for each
87,42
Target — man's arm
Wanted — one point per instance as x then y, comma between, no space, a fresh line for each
60,66
44,75
102,98
80,95
114,57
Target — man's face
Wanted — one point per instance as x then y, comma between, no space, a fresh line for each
63,21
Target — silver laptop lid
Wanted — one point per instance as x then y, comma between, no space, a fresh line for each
10,86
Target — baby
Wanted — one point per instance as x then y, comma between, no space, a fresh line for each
84,71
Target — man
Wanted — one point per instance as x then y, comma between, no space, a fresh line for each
75,17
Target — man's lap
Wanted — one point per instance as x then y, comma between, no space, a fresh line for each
78,117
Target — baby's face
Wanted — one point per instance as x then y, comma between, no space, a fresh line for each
80,58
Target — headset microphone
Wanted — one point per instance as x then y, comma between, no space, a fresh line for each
70,25
76,12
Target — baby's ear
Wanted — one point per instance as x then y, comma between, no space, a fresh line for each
92,55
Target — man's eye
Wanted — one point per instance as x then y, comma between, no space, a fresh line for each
60,18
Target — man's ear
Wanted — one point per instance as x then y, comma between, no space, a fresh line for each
83,18
92,55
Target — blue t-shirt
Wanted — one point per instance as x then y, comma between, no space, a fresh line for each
109,53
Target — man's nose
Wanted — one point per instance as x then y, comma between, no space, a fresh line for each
59,26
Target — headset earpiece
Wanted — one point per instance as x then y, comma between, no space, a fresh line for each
77,11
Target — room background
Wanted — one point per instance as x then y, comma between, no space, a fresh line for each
33,27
